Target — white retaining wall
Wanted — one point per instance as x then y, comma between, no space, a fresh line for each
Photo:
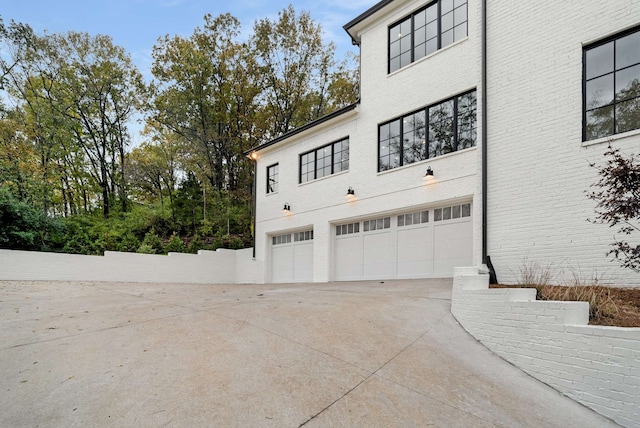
552,341
207,267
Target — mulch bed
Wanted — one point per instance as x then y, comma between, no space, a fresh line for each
610,306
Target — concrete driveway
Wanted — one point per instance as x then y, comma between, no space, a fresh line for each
363,354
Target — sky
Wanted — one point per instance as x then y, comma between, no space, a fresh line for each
137,24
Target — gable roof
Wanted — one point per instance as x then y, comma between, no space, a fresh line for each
304,128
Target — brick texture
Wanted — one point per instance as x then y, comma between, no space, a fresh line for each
597,366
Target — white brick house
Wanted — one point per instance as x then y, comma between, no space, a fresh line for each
423,82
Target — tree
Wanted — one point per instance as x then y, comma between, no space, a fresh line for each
77,93
295,68
618,203
153,170
104,90
206,96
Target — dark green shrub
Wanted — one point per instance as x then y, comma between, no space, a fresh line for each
153,241
196,244
24,227
175,245
146,249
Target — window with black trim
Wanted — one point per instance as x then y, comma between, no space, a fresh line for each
272,178
611,86
326,160
433,27
433,131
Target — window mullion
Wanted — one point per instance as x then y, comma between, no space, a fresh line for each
315,164
439,20
401,141
413,31
332,157
455,123
426,131
615,101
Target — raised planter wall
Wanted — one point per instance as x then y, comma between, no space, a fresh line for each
207,267
552,341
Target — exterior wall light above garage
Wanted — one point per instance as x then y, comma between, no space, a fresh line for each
429,175
351,194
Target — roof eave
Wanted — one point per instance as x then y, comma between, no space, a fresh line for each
303,128
363,16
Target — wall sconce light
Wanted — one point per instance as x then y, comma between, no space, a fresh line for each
286,209
429,175
351,194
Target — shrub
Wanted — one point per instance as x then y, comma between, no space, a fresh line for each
196,244
146,249
175,245
23,226
129,243
618,204
153,241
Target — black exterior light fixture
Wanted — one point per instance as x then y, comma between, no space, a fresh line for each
351,194
286,209
429,175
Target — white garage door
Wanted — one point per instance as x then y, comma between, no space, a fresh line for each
420,244
292,257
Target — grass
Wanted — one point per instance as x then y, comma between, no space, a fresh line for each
609,306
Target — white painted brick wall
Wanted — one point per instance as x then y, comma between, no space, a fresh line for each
207,267
597,366
320,203
538,166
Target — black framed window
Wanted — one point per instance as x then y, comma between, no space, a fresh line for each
441,128
611,86
323,161
272,178
433,27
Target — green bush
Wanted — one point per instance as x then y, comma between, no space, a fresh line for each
146,249
153,241
175,245
128,243
25,227
196,244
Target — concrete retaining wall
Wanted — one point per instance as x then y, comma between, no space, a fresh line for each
552,341
207,267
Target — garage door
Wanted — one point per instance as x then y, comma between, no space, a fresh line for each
418,244
292,257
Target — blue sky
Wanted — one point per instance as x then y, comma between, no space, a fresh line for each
137,24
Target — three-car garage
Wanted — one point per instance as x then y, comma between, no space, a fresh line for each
422,243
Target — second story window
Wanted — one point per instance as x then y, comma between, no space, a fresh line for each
272,178
326,160
431,28
436,130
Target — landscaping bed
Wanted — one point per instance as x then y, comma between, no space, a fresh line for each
608,306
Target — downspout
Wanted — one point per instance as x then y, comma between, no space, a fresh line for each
485,257
255,201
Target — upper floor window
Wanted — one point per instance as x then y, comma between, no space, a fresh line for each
431,28
272,178
429,132
326,160
611,86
